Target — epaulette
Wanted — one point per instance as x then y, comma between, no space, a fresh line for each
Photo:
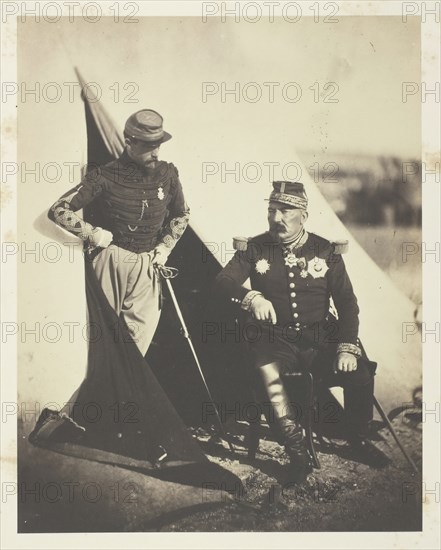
240,243
341,246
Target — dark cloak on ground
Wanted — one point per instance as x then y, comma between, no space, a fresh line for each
121,408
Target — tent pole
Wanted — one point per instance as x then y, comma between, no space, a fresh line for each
389,425
164,273
394,434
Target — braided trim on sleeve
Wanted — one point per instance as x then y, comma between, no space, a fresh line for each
349,348
248,299
66,218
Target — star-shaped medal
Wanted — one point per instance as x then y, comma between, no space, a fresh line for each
290,259
262,266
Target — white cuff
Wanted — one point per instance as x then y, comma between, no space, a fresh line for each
163,249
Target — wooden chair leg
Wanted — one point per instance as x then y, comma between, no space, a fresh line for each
253,439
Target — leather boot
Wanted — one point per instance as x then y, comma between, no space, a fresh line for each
295,447
290,429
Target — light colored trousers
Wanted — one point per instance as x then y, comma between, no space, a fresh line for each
133,289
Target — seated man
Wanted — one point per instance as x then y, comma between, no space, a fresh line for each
293,275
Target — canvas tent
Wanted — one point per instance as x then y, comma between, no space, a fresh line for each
219,146
207,246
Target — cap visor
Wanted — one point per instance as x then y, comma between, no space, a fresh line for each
166,137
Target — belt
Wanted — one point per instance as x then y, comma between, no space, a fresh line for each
298,327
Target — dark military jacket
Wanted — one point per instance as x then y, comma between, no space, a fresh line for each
141,206
300,292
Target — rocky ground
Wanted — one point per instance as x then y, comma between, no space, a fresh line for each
344,495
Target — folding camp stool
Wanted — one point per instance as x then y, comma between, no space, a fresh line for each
254,426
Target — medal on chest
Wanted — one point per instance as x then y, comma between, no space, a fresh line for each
291,260
161,193
317,267
301,264
262,266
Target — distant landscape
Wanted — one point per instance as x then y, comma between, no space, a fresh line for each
379,200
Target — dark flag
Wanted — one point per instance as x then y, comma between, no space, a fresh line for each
120,414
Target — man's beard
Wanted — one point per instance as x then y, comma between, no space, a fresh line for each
148,163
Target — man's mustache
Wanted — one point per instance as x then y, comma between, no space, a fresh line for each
277,227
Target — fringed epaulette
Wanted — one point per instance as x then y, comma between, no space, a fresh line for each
240,243
341,246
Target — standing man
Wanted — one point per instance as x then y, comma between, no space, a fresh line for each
293,275
141,213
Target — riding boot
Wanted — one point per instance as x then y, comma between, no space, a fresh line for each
290,429
295,447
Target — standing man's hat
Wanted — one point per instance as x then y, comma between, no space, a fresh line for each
289,192
146,125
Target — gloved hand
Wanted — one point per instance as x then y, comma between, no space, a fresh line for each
100,237
160,255
263,309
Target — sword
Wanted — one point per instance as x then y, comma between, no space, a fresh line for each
168,273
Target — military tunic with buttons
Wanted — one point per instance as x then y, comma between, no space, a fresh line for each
145,210
300,284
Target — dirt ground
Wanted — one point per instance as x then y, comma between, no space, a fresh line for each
344,495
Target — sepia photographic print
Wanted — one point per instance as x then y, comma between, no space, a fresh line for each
220,274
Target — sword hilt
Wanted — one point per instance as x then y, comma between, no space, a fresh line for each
167,272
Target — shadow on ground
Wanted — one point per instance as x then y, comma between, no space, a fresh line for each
59,493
